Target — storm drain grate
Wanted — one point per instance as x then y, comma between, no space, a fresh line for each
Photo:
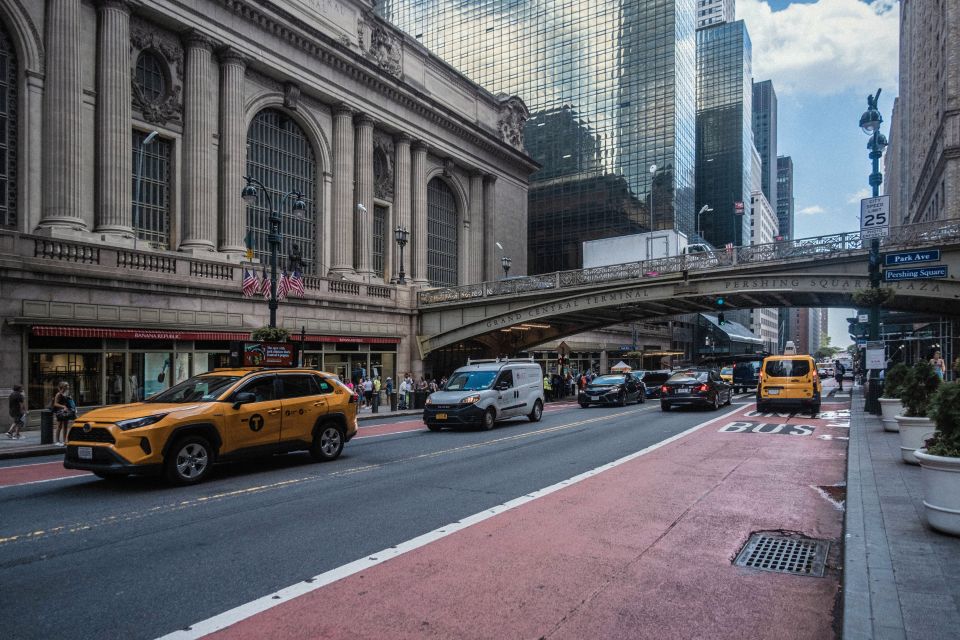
793,555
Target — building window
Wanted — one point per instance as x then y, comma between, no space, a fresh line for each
281,157
379,238
8,131
151,193
151,81
441,234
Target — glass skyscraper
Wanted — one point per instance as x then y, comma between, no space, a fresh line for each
785,196
765,136
610,85
724,132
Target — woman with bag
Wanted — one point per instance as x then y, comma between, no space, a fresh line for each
64,412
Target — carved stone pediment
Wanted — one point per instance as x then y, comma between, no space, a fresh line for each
166,48
381,46
383,155
512,117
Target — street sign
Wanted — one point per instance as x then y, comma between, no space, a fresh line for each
861,342
912,257
876,355
863,317
916,273
874,217
738,208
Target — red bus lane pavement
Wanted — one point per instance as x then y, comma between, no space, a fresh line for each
641,548
36,472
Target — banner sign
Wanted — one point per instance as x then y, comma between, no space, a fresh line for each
267,354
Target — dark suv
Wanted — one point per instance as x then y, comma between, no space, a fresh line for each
653,380
746,375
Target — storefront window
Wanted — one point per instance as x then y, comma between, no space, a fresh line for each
80,370
116,383
149,374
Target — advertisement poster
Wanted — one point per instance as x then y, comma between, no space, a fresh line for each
267,354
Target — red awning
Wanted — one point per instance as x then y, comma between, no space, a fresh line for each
166,334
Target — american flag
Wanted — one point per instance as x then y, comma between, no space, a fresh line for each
265,285
295,284
250,283
282,285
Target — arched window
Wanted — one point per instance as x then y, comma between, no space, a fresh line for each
280,156
441,234
151,80
8,130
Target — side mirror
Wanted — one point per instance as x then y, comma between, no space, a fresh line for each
243,398
503,386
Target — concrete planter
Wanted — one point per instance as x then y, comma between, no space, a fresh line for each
913,432
941,491
890,408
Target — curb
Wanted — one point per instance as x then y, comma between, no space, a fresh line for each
31,451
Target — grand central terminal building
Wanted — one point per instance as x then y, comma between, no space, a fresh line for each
126,131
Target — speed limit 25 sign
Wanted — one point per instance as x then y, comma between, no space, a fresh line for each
874,217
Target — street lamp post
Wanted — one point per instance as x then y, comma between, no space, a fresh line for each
653,174
704,209
137,214
401,235
249,195
870,123
505,263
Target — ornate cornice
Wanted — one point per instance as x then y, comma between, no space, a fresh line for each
121,5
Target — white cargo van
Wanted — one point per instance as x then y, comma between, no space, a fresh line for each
485,391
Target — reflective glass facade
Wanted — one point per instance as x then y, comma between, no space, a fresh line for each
724,132
610,85
765,136
785,196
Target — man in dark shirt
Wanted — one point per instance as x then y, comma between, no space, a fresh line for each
18,411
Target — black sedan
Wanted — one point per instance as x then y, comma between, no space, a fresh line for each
701,387
614,389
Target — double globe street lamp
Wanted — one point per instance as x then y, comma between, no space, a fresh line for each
250,194
401,235
505,262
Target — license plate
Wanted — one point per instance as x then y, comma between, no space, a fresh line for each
683,390
773,392
441,416
85,453
594,398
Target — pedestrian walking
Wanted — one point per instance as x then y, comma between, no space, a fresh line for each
938,364
838,371
368,391
376,393
547,388
64,411
18,411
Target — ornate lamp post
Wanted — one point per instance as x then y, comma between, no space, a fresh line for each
401,235
505,262
870,123
704,209
653,176
249,195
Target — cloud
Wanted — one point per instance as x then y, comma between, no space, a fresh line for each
855,198
826,47
812,210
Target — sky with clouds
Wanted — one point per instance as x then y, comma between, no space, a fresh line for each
824,57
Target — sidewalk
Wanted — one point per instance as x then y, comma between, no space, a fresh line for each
901,579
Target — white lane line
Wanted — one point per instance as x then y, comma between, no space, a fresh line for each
391,433
252,608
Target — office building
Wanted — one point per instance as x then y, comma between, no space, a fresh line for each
724,132
711,12
763,229
785,206
123,231
765,136
610,85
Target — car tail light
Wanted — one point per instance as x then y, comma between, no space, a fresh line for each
664,389
703,387
353,399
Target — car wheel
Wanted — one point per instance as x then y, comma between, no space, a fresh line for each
716,401
729,398
489,418
584,405
434,427
537,413
622,399
642,397
815,410
327,443
664,406
189,460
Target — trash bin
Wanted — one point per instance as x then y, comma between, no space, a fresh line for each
46,426
419,399
393,401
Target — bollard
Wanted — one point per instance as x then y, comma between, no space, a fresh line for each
375,402
393,401
46,426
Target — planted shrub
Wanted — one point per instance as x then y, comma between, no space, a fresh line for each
869,297
944,410
270,334
917,388
894,379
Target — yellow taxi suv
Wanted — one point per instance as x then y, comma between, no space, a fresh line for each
217,416
789,382
726,374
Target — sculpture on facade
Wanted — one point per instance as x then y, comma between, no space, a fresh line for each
381,46
512,118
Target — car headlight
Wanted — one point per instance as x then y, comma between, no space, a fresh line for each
429,401
136,423
471,399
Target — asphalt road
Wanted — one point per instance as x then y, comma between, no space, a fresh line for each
88,558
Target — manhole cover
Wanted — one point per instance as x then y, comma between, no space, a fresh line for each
784,554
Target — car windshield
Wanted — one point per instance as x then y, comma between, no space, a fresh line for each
600,381
687,376
470,381
787,368
196,389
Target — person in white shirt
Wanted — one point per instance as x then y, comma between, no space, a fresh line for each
405,393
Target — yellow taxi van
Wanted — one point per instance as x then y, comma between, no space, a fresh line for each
789,381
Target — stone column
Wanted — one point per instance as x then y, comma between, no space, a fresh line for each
199,217
492,262
62,119
341,260
114,137
418,231
363,195
401,196
233,152
475,261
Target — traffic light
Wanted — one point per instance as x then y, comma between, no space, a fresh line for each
721,320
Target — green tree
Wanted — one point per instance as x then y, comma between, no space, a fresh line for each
826,350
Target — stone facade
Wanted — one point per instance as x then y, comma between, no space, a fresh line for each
94,78
929,110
